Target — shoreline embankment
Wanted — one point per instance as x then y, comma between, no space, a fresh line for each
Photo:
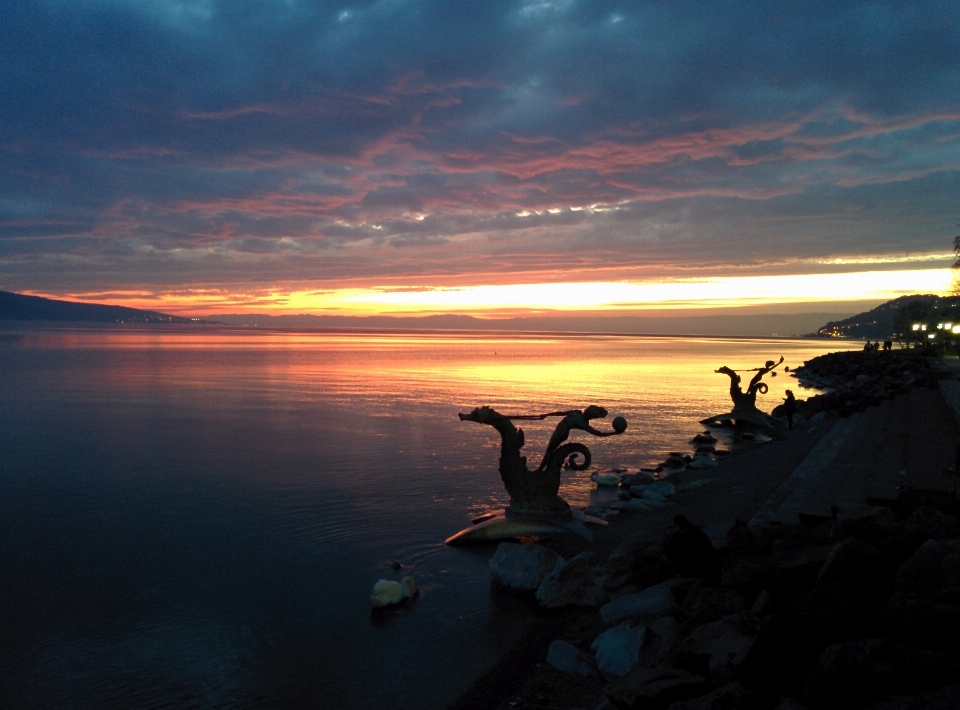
695,605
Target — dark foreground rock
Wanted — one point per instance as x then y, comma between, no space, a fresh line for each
785,617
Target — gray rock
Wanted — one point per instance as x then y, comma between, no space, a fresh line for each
818,417
725,643
522,567
702,462
710,603
733,696
659,641
637,479
863,572
763,604
620,563
655,687
618,649
578,582
648,496
566,657
640,561
693,485
662,488
790,704
653,601
933,573
850,672
913,620
873,526
784,573
933,523
637,505
943,698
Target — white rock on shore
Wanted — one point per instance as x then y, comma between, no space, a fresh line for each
522,567
618,649
652,601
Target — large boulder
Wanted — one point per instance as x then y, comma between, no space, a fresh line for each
566,657
659,641
933,523
741,539
705,603
655,687
522,567
717,649
924,523
933,573
619,567
784,572
652,602
863,572
617,650
873,526
943,698
733,696
789,641
578,582
850,672
921,622
638,560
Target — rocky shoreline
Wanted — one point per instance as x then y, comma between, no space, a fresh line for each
855,612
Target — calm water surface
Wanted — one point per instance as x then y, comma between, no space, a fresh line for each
195,518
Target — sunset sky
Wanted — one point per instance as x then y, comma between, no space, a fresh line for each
285,156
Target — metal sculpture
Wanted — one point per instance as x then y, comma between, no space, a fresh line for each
745,403
535,505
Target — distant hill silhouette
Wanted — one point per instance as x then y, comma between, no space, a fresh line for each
889,318
17,307
753,325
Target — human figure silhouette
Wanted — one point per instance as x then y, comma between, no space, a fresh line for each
789,408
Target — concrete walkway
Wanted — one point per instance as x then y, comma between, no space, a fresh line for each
869,459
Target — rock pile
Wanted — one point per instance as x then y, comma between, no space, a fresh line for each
859,379
860,612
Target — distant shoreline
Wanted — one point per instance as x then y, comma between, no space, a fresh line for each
372,330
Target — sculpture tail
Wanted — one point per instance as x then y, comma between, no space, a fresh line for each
762,388
568,452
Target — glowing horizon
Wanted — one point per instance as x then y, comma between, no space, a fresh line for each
598,297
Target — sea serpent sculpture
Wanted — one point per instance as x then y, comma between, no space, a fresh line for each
745,403
535,506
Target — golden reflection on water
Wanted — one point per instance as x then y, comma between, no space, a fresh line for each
663,385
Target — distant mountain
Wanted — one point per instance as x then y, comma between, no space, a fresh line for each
893,317
17,307
753,325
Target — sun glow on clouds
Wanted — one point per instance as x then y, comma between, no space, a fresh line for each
608,297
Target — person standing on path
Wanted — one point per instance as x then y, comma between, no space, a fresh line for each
789,408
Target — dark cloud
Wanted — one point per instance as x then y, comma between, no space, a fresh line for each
225,141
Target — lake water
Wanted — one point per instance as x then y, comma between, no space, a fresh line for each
195,518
